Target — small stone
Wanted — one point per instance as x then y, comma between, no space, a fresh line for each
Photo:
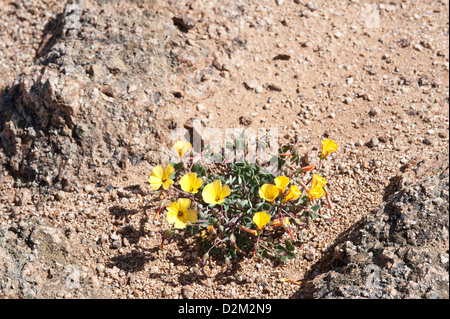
250,85
116,244
424,80
24,197
108,91
187,293
154,269
312,6
60,195
259,89
274,87
374,111
184,22
348,100
245,120
337,34
373,142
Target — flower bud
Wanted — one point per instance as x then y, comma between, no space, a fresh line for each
248,230
205,257
232,239
280,222
308,168
212,229
228,262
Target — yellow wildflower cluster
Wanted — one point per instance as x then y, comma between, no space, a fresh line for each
273,201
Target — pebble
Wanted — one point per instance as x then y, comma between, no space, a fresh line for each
312,6
154,269
373,142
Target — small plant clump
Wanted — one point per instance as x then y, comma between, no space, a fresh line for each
235,206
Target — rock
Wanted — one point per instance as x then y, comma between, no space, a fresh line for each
397,251
184,22
245,120
312,6
274,87
72,107
424,80
48,264
373,142
23,197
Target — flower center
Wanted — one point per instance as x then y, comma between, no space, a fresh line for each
180,214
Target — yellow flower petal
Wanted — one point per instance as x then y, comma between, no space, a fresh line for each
318,180
182,147
281,182
191,216
190,183
261,219
316,192
183,204
155,182
179,224
226,191
158,171
179,214
293,193
185,183
268,192
169,171
167,184
213,193
171,217
198,183
328,147
208,194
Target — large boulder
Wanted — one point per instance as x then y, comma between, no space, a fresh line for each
400,250
92,101
41,261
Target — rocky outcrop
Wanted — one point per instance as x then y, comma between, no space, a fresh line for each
399,251
41,261
93,99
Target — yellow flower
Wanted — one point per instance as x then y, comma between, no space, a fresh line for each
293,193
281,182
190,183
318,180
214,193
269,192
261,219
161,176
328,147
317,185
182,147
179,214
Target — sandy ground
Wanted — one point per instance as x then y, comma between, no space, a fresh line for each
371,75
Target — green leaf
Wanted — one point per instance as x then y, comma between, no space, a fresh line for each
283,258
279,248
289,246
291,254
315,208
264,254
